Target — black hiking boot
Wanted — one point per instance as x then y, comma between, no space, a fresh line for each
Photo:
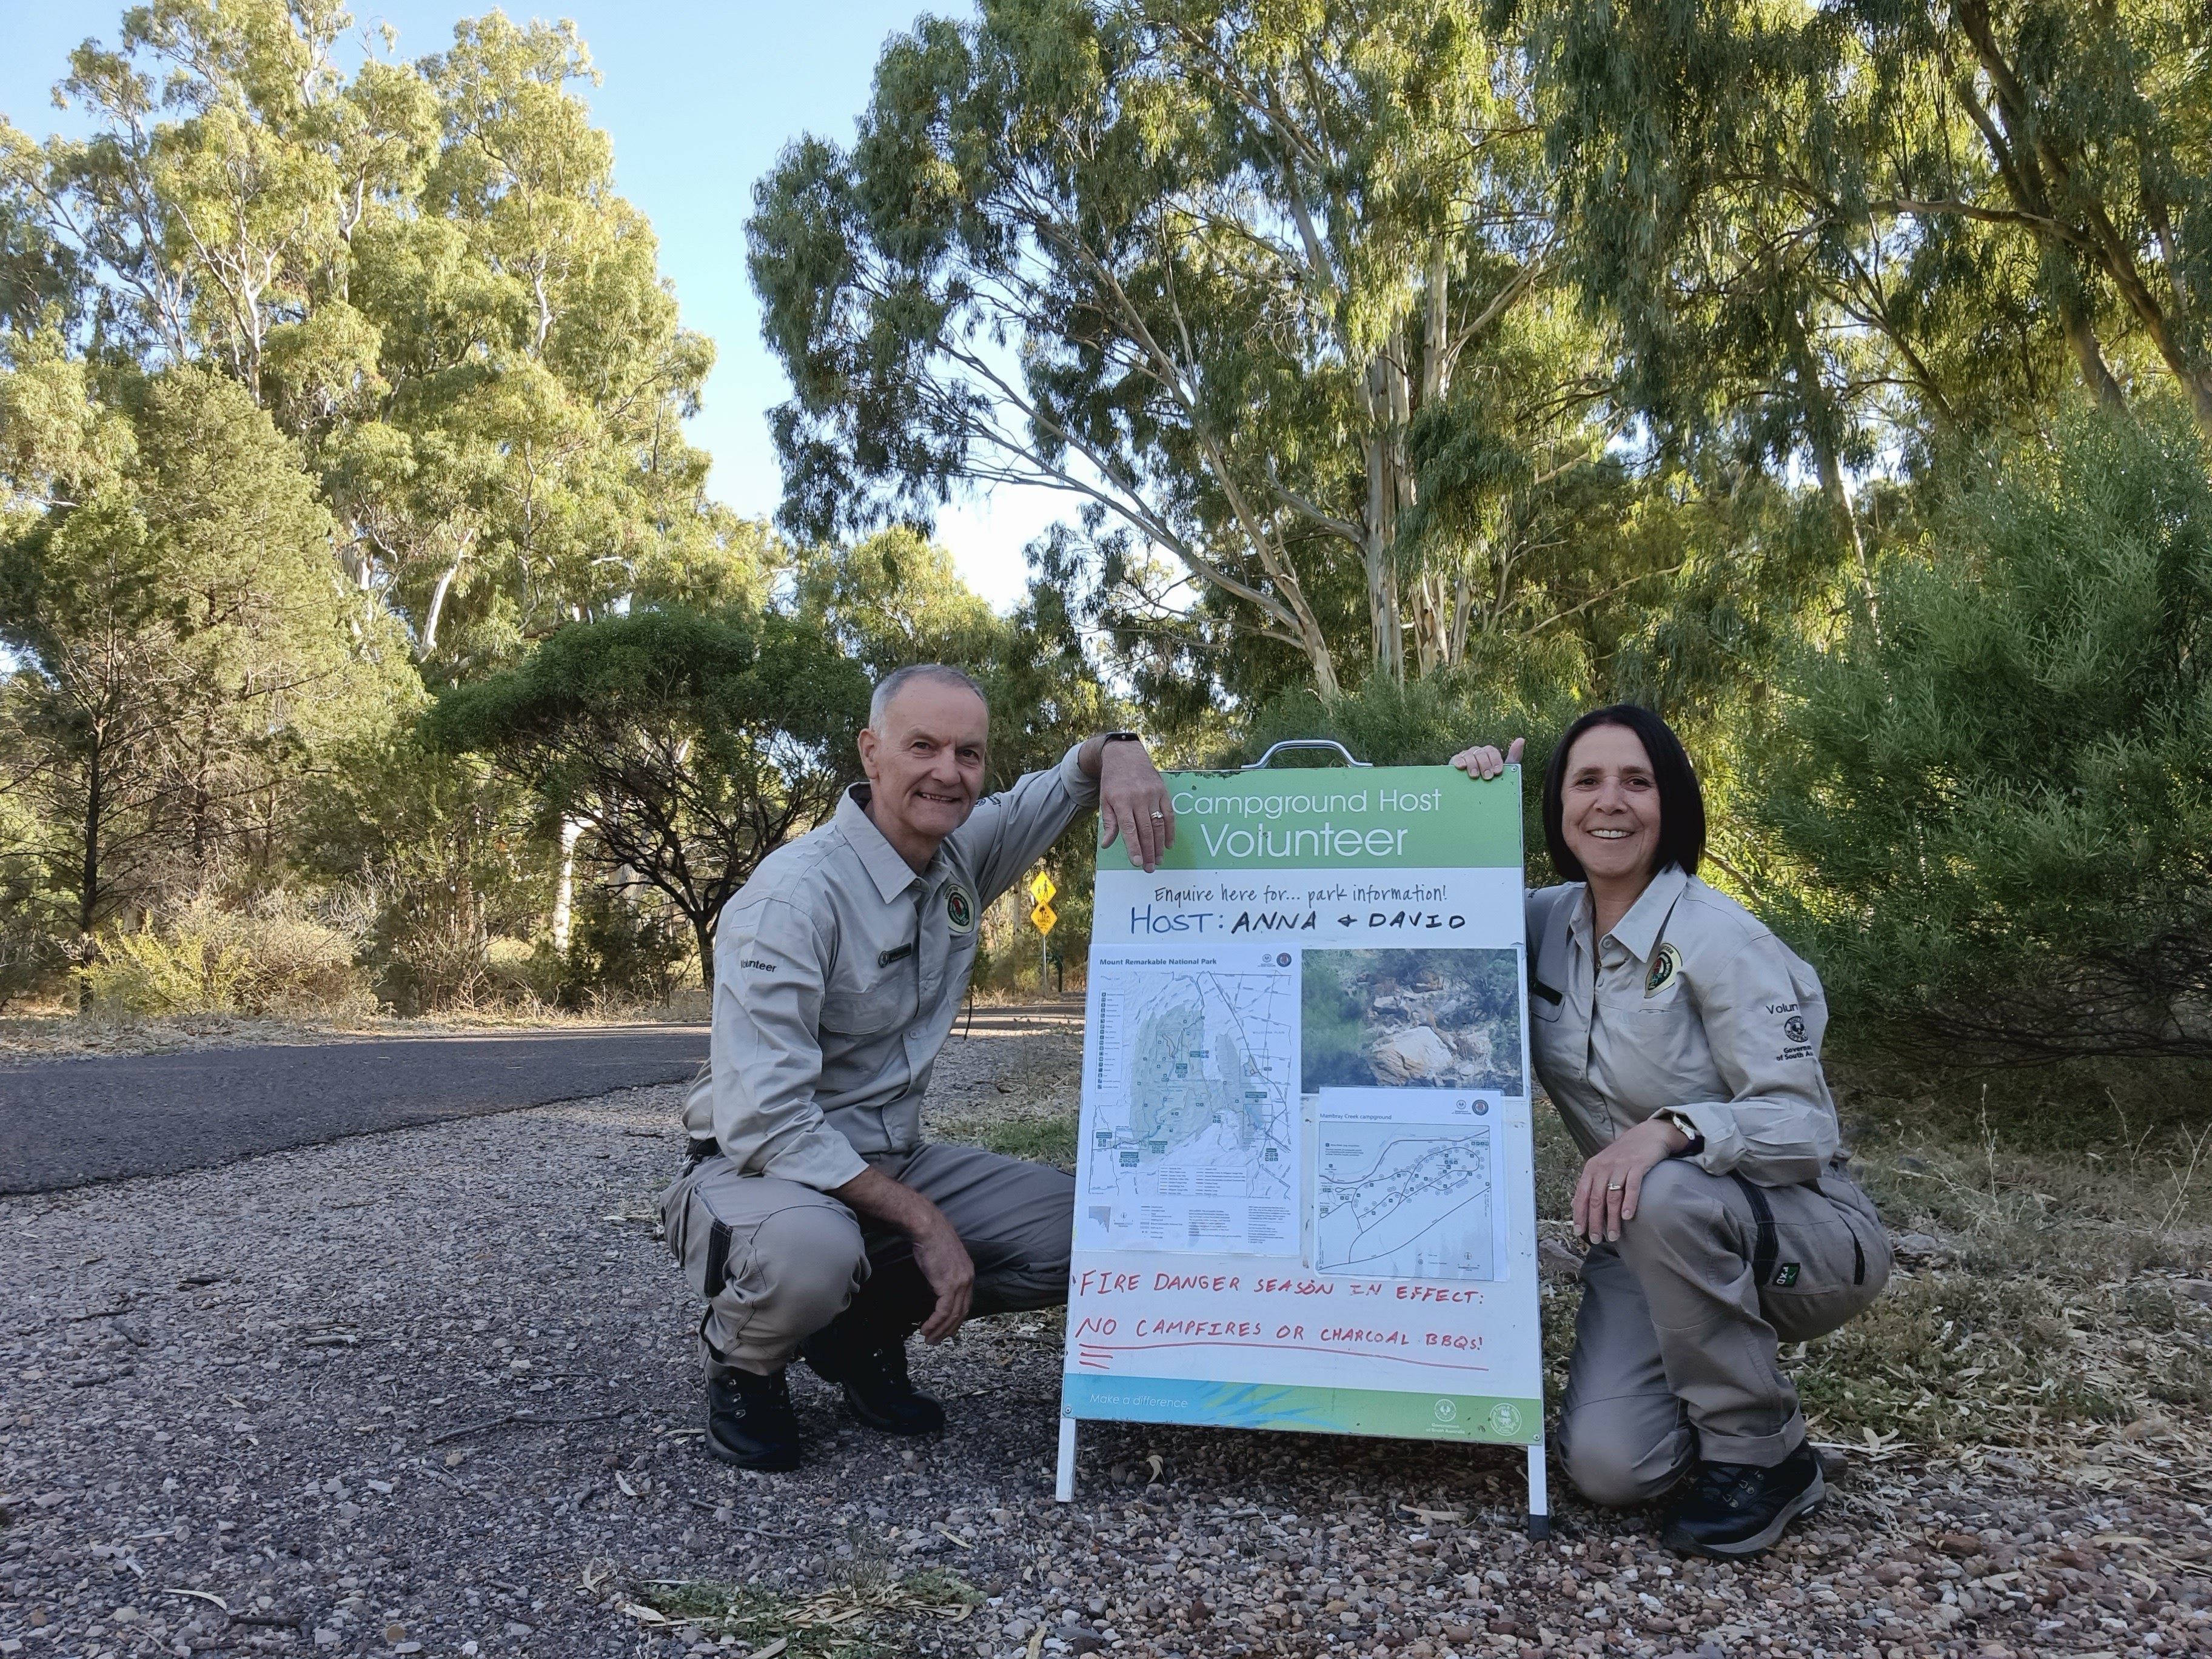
1739,1508
871,1371
750,1421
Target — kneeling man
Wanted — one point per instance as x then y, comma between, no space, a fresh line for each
813,1218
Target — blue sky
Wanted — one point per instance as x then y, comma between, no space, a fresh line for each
698,98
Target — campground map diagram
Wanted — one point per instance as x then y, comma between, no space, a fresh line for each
1192,1135
1404,1200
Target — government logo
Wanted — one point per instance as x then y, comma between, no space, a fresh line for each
960,908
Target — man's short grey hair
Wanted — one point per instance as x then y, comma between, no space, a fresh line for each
898,679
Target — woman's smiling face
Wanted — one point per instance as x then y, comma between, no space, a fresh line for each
1610,805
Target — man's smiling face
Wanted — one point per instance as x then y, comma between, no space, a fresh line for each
924,766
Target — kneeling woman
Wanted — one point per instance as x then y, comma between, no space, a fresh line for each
1680,1041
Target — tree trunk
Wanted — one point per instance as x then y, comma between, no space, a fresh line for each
564,885
88,899
1824,422
702,929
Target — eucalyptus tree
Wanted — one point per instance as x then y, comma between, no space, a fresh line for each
422,269
2086,134
1201,264
186,665
1839,227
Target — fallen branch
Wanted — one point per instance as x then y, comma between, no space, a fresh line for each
757,1532
523,1420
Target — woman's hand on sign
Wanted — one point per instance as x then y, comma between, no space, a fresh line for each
1605,1196
1484,762
1133,804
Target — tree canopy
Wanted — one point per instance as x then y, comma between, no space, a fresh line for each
692,745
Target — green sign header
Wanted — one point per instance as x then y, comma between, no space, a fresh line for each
1333,817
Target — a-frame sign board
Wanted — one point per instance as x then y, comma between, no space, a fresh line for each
1304,1185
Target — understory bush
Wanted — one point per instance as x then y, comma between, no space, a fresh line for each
621,951
1993,790
273,956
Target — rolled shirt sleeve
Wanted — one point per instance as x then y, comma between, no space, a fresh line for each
1764,1014
1008,832
770,965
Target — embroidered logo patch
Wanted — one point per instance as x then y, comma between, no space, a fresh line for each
960,908
1786,1275
1794,1028
1664,966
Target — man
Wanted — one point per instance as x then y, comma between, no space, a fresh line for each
813,1219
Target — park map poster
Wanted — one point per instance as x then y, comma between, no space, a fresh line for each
1304,1189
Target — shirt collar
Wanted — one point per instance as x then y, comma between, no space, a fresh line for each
1638,931
892,874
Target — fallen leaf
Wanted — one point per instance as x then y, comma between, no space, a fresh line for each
1429,1517
202,1595
948,1532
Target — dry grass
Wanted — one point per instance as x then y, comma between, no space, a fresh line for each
861,1616
2049,1315
55,1033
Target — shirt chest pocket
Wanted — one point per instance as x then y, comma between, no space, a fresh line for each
865,1011
1546,1002
1660,1039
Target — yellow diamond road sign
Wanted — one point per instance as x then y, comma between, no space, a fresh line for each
1044,915
1041,889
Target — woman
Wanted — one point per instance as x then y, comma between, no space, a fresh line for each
1680,1041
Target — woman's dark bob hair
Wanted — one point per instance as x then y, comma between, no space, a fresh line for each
1681,804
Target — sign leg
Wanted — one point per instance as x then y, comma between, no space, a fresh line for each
1063,1485
1539,1502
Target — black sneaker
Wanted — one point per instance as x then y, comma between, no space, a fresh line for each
750,1421
874,1377
1739,1508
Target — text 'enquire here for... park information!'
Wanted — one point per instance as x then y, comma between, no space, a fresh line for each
1305,1193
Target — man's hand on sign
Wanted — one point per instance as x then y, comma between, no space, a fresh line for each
1605,1196
1484,762
1133,803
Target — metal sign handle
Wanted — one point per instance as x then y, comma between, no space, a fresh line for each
1305,743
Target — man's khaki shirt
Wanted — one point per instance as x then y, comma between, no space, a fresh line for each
839,971
1688,1003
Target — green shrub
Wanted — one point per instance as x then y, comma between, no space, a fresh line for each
272,956
621,952
1996,800
1520,689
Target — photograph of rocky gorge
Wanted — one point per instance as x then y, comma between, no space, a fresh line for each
1411,1019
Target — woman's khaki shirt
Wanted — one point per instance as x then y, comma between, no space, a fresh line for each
1691,1003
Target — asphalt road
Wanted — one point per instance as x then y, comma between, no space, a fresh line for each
67,1122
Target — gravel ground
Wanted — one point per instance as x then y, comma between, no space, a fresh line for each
433,1392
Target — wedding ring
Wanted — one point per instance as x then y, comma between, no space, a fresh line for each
1613,1185
1157,813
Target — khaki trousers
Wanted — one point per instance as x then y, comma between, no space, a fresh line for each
1675,1355
776,1261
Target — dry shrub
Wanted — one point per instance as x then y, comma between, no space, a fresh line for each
273,956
